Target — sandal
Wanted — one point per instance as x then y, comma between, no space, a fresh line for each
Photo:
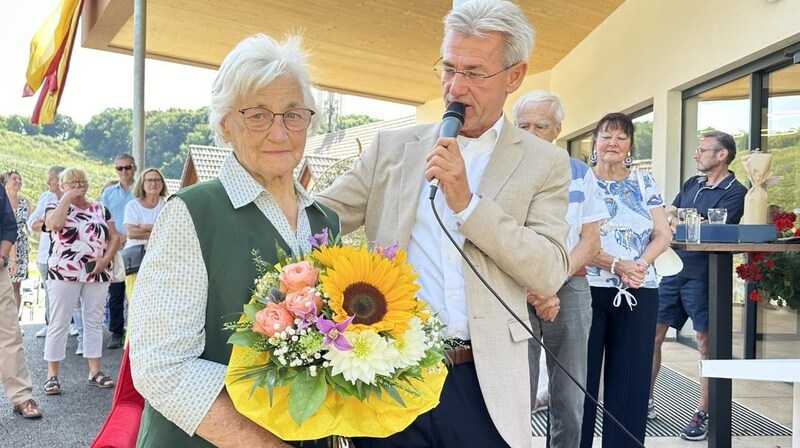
28,409
101,380
52,386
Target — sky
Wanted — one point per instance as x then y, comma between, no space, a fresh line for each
99,79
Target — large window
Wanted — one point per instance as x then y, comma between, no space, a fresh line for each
760,106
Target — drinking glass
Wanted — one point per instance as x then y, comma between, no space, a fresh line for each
717,215
682,212
693,227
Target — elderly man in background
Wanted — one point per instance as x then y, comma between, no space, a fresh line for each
502,196
685,295
13,367
565,330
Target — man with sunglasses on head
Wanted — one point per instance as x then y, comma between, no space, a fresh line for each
115,198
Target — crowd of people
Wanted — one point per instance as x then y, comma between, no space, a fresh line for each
78,238
571,246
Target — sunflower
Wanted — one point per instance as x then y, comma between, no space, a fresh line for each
377,292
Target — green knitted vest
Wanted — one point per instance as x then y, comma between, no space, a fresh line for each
227,239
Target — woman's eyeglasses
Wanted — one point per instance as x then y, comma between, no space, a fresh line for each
77,183
259,119
153,181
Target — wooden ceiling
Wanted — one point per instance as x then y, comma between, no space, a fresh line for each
376,48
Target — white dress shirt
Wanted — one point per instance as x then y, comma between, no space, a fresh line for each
434,257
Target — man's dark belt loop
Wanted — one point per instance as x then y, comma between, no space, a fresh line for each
457,352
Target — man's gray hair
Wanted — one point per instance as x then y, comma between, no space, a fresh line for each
540,96
478,17
253,64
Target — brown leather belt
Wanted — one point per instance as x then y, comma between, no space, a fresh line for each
458,355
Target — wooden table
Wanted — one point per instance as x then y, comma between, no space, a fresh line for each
720,325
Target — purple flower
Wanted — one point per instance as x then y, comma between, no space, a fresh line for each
319,239
334,333
389,251
306,317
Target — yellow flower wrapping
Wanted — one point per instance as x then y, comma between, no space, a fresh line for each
347,417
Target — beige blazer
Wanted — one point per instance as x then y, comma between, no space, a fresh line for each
516,238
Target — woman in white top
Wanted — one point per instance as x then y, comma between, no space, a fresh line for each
140,215
624,285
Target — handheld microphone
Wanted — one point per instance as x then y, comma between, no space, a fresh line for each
452,120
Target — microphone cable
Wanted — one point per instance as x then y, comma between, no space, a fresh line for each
526,327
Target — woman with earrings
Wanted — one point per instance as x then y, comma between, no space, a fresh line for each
18,263
624,285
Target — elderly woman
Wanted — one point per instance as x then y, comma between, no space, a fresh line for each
199,266
624,285
84,241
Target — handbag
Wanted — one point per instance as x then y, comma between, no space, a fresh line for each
668,263
117,268
132,257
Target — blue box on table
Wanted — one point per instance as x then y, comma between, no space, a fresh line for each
731,233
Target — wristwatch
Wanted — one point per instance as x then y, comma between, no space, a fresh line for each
5,260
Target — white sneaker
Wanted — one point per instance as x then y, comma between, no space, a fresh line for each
651,410
42,332
73,330
79,351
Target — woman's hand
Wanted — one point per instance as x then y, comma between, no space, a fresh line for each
546,307
12,267
631,272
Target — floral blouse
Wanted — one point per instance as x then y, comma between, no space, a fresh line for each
83,238
628,231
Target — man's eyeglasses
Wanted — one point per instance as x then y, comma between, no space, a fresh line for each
124,167
77,183
702,150
153,181
447,73
259,119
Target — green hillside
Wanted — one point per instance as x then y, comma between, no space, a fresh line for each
32,156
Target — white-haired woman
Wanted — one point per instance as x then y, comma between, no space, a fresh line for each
199,267
84,241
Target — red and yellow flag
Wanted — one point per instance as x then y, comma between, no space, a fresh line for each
48,64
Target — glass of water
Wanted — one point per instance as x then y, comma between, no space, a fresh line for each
682,212
693,227
717,215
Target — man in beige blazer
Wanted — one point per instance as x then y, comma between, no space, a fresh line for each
503,196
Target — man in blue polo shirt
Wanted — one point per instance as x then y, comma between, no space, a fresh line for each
115,198
685,295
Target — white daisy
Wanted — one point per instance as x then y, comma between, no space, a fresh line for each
371,355
412,345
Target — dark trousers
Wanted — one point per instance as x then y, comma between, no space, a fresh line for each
116,308
460,420
626,337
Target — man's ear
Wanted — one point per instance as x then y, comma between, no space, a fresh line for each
558,131
516,75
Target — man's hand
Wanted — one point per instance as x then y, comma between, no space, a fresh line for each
546,307
444,162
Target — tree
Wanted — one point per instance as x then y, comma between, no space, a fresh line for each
108,134
63,127
353,120
643,140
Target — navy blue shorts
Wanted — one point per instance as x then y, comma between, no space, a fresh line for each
680,298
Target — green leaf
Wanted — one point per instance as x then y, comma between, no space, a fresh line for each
394,394
341,385
250,311
244,338
306,395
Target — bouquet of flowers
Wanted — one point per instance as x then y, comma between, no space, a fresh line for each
336,343
777,274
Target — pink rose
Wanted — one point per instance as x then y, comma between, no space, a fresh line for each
274,318
295,276
299,302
